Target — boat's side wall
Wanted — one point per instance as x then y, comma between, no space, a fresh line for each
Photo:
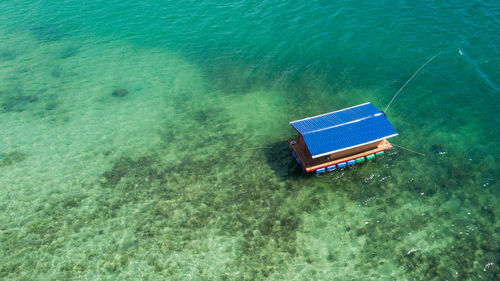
310,165
344,160
353,151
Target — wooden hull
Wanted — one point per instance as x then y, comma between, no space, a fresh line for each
336,160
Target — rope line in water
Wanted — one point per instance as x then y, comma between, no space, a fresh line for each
408,149
258,147
408,81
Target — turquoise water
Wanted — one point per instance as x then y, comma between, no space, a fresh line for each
146,140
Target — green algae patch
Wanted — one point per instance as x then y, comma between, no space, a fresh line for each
253,209
11,158
19,103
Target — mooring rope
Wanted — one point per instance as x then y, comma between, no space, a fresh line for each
408,81
258,147
407,149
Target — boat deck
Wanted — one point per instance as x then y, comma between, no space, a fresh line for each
311,165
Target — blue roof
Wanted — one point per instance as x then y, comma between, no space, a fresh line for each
344,129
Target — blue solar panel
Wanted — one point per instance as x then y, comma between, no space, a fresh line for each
328,120
347,128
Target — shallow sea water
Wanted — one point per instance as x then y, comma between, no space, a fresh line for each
188,176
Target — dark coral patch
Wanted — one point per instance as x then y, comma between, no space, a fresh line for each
56,72
254,208
69,52
120,92
7,159
19,103
437,148
7,55
48,32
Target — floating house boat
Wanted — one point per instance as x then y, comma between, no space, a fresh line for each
341,138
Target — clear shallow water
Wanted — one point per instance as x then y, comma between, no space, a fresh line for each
188,176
